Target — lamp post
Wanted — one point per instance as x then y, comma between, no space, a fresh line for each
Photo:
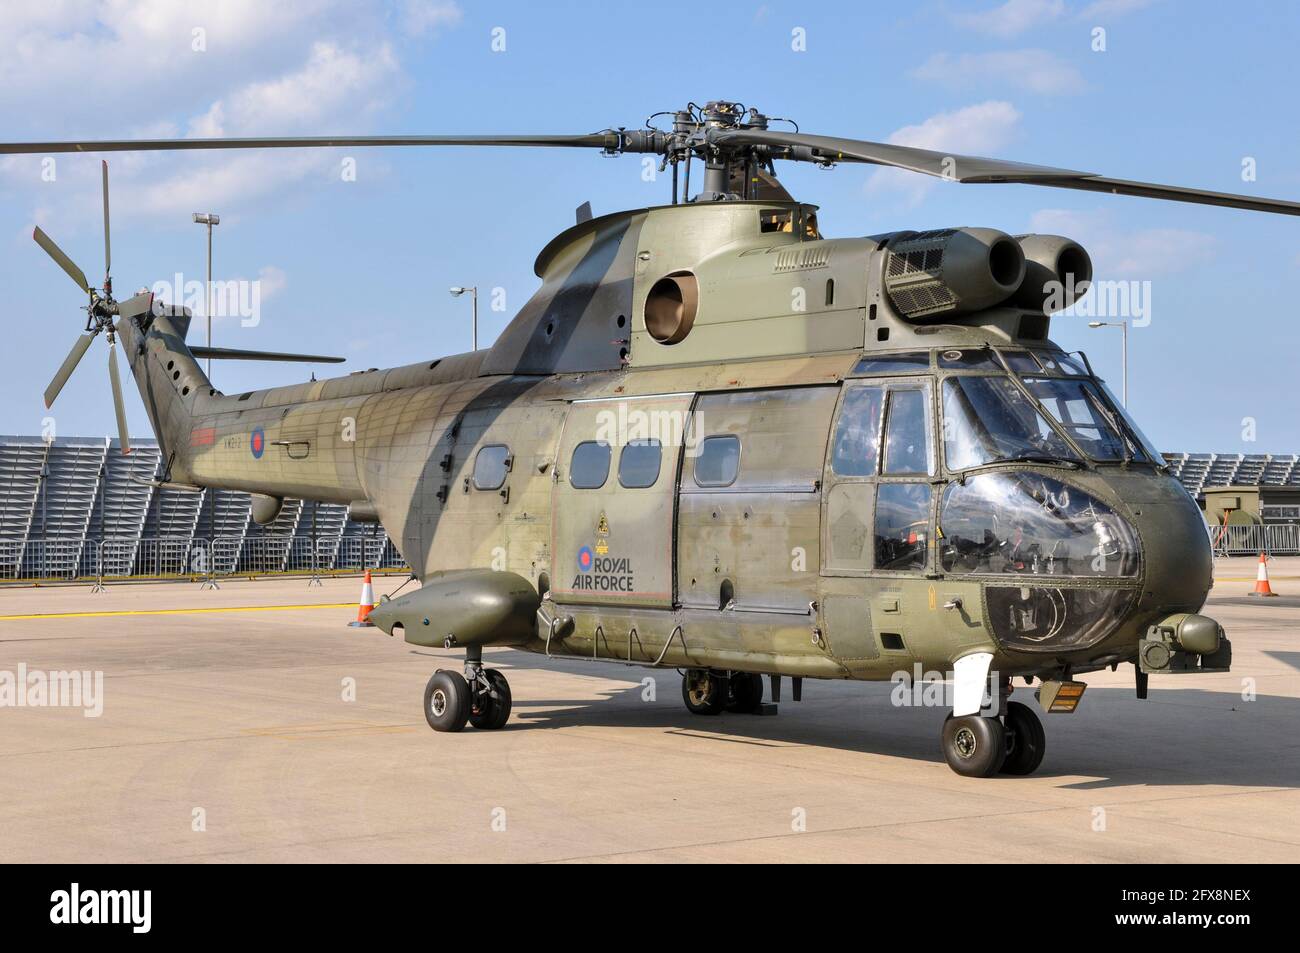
1123,326
456,292
208,219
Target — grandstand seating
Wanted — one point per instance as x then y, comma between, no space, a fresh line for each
79,507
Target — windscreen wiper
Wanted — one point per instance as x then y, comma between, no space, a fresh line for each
1044,458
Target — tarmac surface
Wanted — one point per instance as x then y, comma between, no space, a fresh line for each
235,732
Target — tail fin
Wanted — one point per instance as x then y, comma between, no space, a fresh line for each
166,373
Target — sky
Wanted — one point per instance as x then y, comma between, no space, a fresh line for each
353,250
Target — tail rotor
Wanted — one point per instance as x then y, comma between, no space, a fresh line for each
100,313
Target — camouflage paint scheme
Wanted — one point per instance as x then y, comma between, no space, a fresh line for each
402,442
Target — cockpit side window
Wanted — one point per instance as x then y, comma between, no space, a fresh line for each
856,450
907,433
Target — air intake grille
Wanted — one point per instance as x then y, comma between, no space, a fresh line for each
803,259
912,274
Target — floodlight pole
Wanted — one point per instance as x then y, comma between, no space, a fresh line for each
456,292
208,219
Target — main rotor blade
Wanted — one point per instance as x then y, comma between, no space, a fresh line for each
62,260
108,251
596,140
66,368
945,165
118,407
977,169
234,354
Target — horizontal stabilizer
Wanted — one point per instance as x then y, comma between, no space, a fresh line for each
231,354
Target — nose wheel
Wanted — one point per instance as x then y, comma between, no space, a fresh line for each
1026,740
978,747
480,697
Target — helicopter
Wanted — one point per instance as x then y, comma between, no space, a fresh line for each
718,441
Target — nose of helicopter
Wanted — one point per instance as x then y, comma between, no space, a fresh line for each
1177,559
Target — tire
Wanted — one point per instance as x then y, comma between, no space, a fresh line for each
974,746
704,692
446,701
488,712
1026,740
746,692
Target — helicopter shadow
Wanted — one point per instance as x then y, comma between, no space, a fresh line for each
1180,737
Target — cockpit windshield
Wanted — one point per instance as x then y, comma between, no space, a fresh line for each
1088,418
989,419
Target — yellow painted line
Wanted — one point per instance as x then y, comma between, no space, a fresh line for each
96,615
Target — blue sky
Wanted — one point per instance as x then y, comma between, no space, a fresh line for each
1182,93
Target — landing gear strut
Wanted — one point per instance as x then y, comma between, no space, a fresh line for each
480,697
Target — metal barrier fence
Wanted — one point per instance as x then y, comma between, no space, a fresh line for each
1279,539
185,557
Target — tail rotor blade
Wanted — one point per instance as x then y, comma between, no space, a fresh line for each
66,368
118,406
108,251
62,260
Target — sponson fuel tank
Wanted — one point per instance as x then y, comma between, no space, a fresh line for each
463,607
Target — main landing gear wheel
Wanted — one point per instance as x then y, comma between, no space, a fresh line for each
446,701
1026,740
490,709
974,746
746,691
704,692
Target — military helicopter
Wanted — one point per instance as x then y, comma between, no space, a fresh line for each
718,441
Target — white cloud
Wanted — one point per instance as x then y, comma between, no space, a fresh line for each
420,17
273,280
973,130
1119,252
1013,17
331,79
1112,8
1036,70
311,67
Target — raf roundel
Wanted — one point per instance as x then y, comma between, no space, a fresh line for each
257,443
585,559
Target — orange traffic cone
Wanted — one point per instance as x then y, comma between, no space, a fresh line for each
1262,588
366,604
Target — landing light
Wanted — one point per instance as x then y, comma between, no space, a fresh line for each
1061,697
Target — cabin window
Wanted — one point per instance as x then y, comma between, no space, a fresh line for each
907,435
638,464
857,436
902,525
719,461
491,466
589,468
